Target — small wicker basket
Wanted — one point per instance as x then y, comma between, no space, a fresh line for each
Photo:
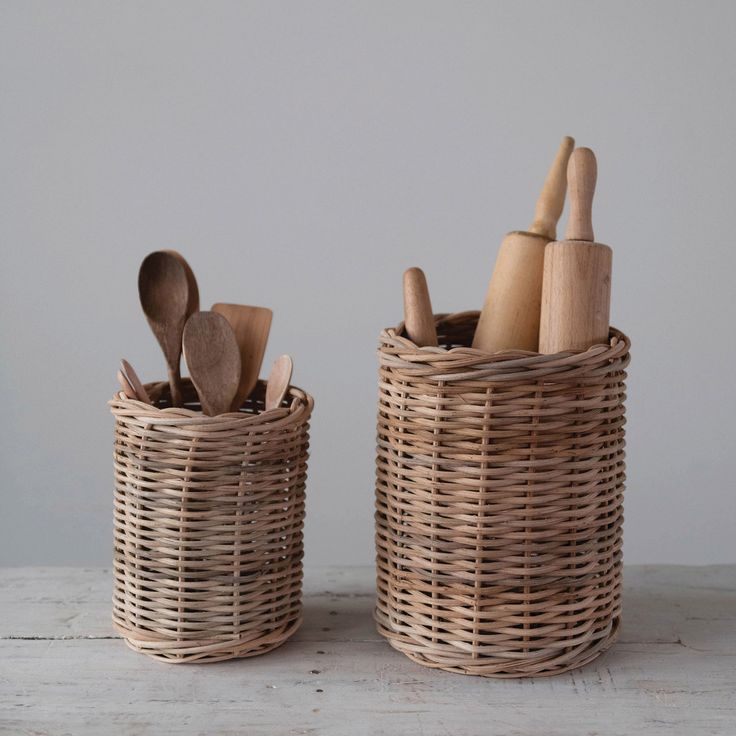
499,503
209,514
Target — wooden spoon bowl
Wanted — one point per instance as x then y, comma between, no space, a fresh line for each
212,355
278,382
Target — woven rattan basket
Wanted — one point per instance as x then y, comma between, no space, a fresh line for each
499,503
208,526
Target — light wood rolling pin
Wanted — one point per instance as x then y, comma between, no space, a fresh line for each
576,293
510,316
418,316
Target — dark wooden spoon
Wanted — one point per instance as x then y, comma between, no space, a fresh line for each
213,359
163,288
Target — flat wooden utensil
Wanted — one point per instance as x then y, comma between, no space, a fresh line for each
125,386
213,359
132,378
251,326
418,316
278,381
163,288
510,316
576,294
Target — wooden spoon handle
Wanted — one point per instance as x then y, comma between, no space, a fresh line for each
418,317
175,385
582,172
552,198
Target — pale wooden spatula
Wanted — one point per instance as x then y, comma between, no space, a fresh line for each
213,359
251,326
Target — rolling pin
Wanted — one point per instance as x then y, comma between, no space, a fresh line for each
576,291
510,316
418,317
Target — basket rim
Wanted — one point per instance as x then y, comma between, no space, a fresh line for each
299,410
399,352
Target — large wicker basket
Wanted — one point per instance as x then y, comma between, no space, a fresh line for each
208,526
499,503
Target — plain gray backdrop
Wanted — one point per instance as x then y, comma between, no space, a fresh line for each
301,156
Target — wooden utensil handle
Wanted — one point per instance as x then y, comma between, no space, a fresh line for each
552,198
175,385
418,317
576,296
582,172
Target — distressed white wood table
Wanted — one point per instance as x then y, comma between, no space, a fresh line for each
64,671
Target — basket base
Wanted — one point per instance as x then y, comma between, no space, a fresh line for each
200,652
499,667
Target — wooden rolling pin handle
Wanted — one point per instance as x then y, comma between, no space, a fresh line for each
552,198
418,317
582,172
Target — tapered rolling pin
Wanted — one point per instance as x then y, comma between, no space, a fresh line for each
576,292
418,317
510,316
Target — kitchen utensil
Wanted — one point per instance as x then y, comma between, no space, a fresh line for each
132,378
510,316
163,288
576,293
251,326
278,381
193,296
418,316
212,356
125,386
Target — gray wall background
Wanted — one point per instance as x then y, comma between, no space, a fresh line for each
301,156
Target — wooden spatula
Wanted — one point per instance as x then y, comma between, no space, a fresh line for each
251,326
213,359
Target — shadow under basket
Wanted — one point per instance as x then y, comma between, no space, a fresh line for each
499,493
209,513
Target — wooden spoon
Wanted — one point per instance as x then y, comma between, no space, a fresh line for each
251,326
132,378
125,386
193,300
164,293
278,382
213,358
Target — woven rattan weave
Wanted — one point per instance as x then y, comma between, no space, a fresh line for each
499,503
208,526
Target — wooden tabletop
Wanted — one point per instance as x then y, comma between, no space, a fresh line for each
64,671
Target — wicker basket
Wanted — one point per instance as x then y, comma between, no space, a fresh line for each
208,526
499,503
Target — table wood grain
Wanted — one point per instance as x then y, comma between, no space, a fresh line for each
64,671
